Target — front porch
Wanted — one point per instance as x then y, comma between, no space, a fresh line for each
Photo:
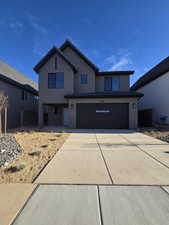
53,115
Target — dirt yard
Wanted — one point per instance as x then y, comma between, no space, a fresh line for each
38,150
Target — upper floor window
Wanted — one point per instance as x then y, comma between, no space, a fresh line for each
83,79
111,83
56,63
56,80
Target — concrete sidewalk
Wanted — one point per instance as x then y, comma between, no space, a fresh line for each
109,157
96,205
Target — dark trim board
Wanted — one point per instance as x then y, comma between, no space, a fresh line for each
109,73
102,115
116,94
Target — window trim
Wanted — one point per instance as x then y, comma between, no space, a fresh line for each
107,77
55,80
118,83
51,74
111,78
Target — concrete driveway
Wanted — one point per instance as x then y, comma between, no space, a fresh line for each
98,178
109,157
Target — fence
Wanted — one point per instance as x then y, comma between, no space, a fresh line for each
29,118
145,118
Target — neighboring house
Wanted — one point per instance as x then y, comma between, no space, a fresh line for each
155,87
73,93
22,95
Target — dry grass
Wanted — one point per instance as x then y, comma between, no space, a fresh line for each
38,150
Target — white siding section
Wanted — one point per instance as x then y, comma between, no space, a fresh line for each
156,96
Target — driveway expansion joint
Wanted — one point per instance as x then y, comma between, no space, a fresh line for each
104,160
107,165
152,157
100,207
163,188
102,184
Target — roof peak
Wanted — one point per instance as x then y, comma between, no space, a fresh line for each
49,54
68,43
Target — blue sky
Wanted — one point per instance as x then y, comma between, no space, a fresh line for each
114,34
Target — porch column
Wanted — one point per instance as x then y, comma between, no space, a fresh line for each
72,113
133,115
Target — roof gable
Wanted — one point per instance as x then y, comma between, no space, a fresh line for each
152,74
67,44
51,52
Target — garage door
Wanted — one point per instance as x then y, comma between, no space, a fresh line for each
102,116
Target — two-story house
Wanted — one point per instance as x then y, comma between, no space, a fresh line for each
74,93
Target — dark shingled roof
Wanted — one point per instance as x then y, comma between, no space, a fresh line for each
67,43
104,73
153,74
12,76
26,87
115,94
49,55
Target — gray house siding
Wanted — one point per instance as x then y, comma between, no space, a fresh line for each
12,83
55,95
156,98
83,68
16,104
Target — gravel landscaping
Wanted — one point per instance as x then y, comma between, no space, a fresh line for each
9,149
163,135
27,153
164,138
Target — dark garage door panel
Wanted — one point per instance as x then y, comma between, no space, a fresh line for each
102,116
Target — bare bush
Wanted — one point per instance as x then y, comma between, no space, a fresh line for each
3,108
